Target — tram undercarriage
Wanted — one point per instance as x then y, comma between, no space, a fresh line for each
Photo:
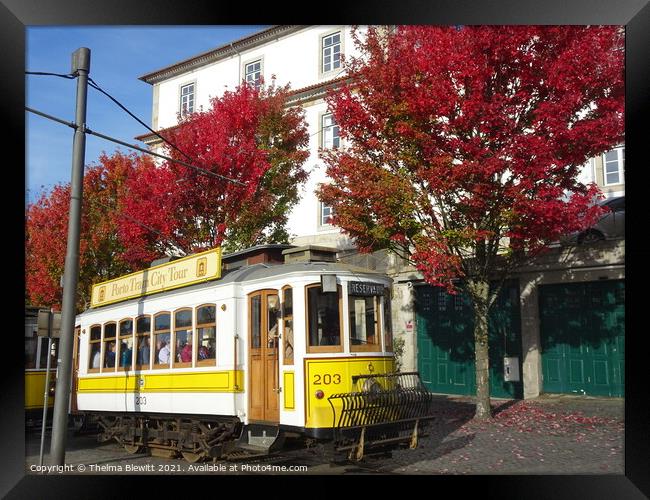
194,438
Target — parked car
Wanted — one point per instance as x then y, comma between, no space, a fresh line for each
610,225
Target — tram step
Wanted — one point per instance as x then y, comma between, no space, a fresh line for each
260,438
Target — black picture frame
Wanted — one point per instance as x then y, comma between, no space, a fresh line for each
15,15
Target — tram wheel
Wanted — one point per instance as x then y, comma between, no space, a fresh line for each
132,449
192,457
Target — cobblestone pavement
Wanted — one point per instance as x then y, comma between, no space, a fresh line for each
547,435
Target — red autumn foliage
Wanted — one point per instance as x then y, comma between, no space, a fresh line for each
466,142
100,251
247,135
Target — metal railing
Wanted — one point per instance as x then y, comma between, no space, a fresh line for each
385,409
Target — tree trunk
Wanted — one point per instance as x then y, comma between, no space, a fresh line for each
480,293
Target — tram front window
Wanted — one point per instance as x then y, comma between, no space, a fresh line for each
324,325
364,323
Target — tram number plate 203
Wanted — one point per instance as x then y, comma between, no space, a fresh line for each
141,400
327,379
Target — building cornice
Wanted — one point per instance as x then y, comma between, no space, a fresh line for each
214,55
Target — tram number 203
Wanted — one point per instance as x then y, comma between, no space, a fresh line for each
327,379
141,400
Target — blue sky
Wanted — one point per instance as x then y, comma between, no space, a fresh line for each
119,55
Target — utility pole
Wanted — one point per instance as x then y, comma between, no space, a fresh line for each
80,66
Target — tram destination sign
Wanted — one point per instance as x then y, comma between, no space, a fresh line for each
189,270
362,288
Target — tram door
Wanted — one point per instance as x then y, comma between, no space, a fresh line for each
263,356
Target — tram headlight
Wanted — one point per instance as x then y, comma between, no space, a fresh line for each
319,394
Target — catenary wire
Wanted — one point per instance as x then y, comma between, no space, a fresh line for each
132,146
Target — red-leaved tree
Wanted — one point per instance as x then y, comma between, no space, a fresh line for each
248,135
100,251
463,145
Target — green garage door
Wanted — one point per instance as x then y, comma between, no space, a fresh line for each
446,346
582,329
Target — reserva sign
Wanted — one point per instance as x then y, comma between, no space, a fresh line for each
189,270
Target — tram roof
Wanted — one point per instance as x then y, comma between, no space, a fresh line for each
256,272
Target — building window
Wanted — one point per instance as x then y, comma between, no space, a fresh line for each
143,331
331,139
206,331
326,212
94,360
125,352
323,320
613,163
187,99
109,346
331,52
162,339
253,73
183,338
287,324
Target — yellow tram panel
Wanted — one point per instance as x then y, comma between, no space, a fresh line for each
221,381
35,389
334,376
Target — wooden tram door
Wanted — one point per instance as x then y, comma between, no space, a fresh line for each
263,383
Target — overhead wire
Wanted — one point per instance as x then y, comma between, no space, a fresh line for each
94,85
69,76
132,146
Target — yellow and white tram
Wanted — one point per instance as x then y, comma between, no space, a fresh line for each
36,349
184,358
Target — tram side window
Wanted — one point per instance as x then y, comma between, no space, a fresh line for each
206,331
95,348
183,338
126,344
388,322
143,342
287,325
256,322
162,339
109,345
323,318
30,351
53,357
364,322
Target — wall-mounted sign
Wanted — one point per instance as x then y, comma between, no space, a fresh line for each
195,268
362,288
